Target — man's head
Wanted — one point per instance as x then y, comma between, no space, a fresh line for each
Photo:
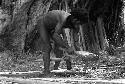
77,17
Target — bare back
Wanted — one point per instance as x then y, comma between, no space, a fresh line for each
54,17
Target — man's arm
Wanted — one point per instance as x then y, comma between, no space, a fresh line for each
57,37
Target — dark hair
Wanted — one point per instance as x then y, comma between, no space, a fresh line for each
80,14
77,15
68,23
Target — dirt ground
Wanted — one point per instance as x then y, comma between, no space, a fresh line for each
106,70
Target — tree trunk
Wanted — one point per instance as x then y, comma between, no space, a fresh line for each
101,33
83,47
93,37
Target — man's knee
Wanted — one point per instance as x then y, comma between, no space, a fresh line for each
47,48
58,52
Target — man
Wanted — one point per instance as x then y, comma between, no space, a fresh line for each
50,26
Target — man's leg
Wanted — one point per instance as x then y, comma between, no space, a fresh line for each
46,59
69,64
45,47
58,54
45,52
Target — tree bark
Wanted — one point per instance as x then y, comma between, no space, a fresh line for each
82,38
101,32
